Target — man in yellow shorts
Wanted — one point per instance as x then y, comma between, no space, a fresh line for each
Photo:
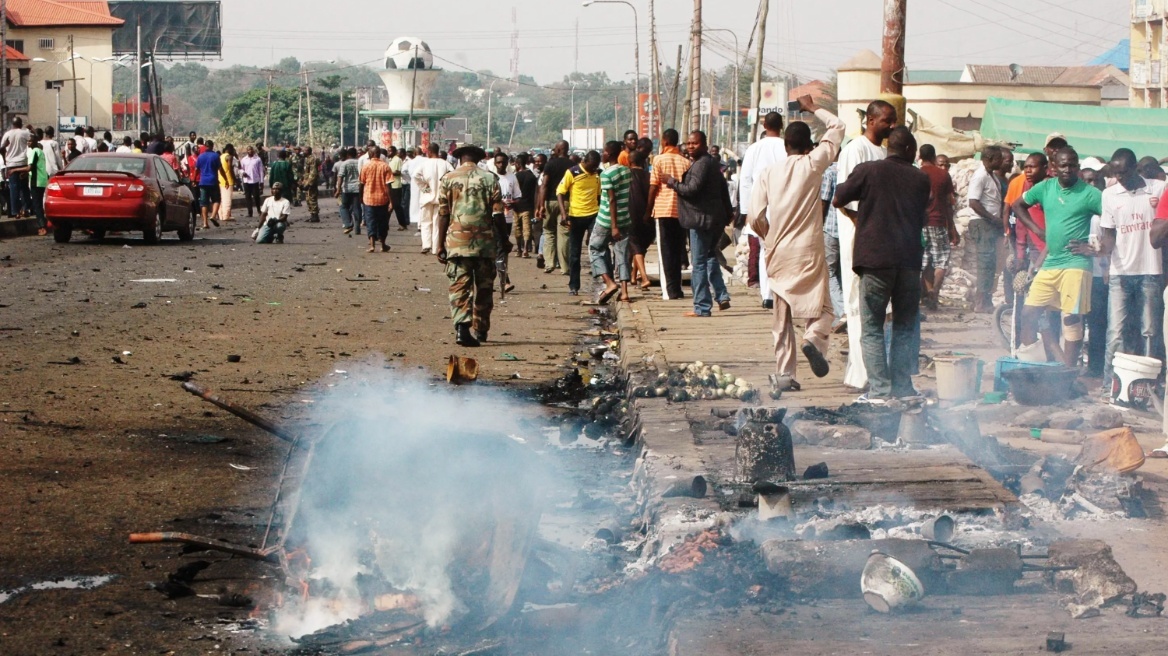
1064,280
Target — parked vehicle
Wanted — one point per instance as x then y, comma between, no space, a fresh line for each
119,191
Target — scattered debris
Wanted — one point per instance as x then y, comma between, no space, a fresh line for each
66,583
461,369
234,358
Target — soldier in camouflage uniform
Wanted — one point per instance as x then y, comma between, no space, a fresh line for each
309,182
297,161
469,206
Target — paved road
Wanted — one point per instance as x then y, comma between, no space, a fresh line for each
93,450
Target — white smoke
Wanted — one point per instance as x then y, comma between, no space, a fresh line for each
412,488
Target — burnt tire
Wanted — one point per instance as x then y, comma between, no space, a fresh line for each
62,233
152,234
187,232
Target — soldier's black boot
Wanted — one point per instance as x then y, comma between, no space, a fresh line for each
464,338
481,335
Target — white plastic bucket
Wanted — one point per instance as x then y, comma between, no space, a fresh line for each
1128,369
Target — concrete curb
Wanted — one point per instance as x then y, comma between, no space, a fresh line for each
18,227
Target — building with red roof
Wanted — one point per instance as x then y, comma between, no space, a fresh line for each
70,43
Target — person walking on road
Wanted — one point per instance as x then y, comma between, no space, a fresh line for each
470,205
14,144
253,180
704,210
613,226
880,120
771,149
395,189
427,174
528,182
38,179
940,232
208,166
547,208
579,198
226,180
348,190
281,172
663,207
893,200
985,231
375,178
310,184
786,212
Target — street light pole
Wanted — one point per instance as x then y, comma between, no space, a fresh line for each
636,55
572,136
490,93
737,56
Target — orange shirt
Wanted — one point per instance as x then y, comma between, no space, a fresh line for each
623,158
672,163
375,180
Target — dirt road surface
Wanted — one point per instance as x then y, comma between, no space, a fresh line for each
97,439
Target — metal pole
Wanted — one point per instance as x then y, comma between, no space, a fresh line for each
299,113
637,63
737,56
572,137
676,87
490,94
138,75
514,124
414,84
268,111
308,96
892,64
695,91
655,84
341,95
4,62
356,118
756,84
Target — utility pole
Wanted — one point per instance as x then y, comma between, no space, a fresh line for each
655,84
676,88
268,110
299,113
308,96
695,63
892,64
73,71
341,95
356,118
4,64
138,79
756,84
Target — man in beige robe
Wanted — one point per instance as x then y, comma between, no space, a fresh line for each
788,193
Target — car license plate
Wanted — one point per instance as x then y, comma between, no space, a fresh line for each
92,191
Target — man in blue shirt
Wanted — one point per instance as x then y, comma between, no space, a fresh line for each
207,166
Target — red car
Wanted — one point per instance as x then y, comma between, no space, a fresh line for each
119,191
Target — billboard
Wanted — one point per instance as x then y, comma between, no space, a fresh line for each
172,29
645,109
585,138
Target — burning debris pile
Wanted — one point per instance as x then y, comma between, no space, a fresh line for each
418,511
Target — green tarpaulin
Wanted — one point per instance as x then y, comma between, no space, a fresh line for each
1093,131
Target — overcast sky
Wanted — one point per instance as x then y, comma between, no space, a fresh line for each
808,38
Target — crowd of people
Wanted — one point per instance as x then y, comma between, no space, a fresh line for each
854,237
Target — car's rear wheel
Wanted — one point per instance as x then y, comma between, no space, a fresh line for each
152,234
187,232
62,232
